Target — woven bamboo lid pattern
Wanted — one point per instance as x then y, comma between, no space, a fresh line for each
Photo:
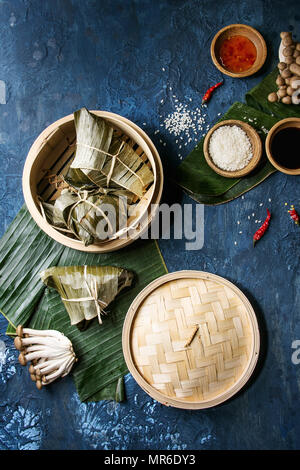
191,339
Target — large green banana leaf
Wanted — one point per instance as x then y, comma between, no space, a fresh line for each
24,252
204,185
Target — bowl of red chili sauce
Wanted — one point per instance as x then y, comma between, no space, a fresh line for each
238,50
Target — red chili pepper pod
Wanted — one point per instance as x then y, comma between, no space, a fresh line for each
209,92
294,215
261,231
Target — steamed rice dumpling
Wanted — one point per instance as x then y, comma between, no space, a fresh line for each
86,291
98,153
90,216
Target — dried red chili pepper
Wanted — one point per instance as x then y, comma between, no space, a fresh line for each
294,215
209,92
261,231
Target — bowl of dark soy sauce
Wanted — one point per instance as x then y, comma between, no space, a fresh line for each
283,146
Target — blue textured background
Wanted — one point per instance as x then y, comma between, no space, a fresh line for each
123,56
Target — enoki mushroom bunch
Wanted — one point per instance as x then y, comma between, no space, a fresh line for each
50,352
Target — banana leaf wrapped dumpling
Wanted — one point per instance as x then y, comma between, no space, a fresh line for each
86,291
90,216
101,154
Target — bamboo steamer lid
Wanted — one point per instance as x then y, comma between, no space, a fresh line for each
191,339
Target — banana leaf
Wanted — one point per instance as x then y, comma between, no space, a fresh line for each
78,180
86,290
200,182
23,254
24,299
258,98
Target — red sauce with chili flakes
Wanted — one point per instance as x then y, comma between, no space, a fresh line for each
237,54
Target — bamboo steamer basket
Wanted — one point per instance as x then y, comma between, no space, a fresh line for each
191,339
53,152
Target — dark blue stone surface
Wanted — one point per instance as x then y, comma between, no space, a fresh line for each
124,56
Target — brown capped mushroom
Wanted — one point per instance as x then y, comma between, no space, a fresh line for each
298,60
293,78
285,34
281,93
287,51
39,384
282,65
296,53
18,343
19,330
272,97
286,73
287,41
22,359
289,60
287,100
298,46
290,90
279,80
295,69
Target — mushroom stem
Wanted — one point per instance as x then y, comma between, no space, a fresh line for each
69,365
52,333
40,347
46,353
49,366
49,378
54,342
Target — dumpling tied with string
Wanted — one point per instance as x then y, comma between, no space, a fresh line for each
90,216
86,291
104,158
